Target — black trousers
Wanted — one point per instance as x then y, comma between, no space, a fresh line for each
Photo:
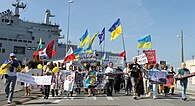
110,84
47,90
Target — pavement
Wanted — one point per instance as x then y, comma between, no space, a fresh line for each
19,97
115,100
36,99
18,87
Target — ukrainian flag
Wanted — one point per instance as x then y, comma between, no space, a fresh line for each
84,39
89,49
77,52
145,42
115,29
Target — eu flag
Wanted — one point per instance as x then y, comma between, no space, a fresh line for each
101,36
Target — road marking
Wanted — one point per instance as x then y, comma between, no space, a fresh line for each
56,101
91,98
110,98
192,97
69,98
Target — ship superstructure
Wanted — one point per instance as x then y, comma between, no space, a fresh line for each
22,37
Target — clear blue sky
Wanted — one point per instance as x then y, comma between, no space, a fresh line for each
163,19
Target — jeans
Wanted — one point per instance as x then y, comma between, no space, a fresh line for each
155,89
134,82
128,84
146,85
110,87
10,80
47,90
184,84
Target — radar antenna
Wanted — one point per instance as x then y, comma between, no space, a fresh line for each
17,6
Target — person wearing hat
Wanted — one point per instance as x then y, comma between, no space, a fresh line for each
12,66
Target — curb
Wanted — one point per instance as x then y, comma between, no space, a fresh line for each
19,102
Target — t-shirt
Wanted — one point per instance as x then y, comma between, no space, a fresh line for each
183,71
109,70
135,70
126,75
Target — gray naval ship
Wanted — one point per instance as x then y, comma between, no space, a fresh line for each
22,37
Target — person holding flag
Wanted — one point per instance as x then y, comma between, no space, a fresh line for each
12,66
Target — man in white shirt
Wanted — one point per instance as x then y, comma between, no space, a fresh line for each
127,76
109,78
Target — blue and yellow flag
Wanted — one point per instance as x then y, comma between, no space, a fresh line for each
145,42
115,29
89,48
77,52
84,39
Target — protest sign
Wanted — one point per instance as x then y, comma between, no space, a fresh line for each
42,80
169,80
37,80
21,77
151,56
117,61
142,59
157,77
69,81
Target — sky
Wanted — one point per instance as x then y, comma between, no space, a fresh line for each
162,19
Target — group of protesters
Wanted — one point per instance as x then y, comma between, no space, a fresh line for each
133,78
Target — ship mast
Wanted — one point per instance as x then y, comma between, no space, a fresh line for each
17,6
47,16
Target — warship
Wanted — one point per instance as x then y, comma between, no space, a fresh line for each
22,37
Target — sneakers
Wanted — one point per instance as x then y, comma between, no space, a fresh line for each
184,99
134,97
9,102
154,97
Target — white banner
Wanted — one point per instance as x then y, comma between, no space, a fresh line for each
37,80
142,59
42,80
69,82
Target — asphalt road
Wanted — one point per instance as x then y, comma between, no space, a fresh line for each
115,100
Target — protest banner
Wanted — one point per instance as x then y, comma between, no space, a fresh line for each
151,56
169,80
42,80
21,77
157,77
142,59
100,80
117,61
35,80
185,76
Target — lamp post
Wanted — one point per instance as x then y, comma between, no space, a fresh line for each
68,29
182,50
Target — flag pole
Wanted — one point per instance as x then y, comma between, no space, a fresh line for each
124,48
